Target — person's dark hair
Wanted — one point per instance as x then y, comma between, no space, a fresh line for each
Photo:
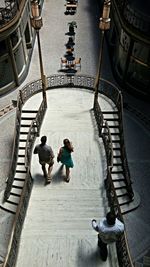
67,144
43,140
111,218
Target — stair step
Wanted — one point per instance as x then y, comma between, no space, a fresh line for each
29,111
17,187
24,134
132,205
124,200
115,136
116,145
9,207
16,191
21,156
20,164
112,126
117,160
21,171
146,261
121,192
111,116
116,141
25,125
116,153
117,172
21,148
13,199
116,148
112,119
22,140
119,185
117,176
22,143
116,169
20,175
19,184
117,164
19,179
21,152
115,131
27,118
110,112
116,156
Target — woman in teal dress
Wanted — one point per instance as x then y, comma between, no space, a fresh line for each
64,156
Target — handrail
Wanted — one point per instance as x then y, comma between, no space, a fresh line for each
123,252
25,195
112,92
14,152
98,116
34,131
106,135
18,222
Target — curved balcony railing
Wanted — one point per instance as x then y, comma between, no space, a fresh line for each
8,12
57,81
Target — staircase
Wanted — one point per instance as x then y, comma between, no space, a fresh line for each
126,202
12,202
143,261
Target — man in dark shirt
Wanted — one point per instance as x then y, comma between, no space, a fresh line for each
46,156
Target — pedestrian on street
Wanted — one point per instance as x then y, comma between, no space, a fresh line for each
64,156
46,156
109,229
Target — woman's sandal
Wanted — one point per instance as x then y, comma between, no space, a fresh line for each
67,179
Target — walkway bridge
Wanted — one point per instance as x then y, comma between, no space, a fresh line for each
57,228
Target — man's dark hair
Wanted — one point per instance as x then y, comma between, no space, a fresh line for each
111,218
43,140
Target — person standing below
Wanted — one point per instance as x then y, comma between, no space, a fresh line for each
46,156
109,229
64,156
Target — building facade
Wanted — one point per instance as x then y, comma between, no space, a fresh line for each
16,42
129,43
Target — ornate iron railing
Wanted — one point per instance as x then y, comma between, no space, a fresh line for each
18,222
58,81
122,248
106,135
112,92
34,131
15,150
25,195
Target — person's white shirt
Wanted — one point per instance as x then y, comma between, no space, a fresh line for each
108,233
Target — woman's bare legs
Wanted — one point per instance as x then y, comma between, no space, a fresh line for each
67,174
